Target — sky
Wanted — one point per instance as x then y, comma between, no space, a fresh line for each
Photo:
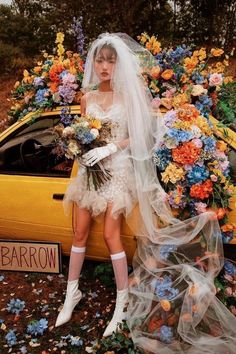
5,2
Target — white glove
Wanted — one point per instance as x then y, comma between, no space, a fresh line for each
97,154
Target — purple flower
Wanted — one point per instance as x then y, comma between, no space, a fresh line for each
230,268
78,31
166,334
38,81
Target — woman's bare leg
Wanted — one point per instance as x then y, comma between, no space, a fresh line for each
81,228
112,238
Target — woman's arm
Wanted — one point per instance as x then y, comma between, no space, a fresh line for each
122,144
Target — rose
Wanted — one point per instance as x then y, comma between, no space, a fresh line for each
167,74
215,79
155,71
94,132
198,90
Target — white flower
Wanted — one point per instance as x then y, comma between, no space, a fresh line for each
198,90
196,131
67,132
215,79
94,132
73,148
84,124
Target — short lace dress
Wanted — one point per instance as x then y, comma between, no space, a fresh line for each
120,188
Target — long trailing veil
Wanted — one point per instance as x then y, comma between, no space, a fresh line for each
173,307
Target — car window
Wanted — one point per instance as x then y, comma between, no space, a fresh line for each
30,150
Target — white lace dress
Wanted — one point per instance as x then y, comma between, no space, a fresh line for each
120,188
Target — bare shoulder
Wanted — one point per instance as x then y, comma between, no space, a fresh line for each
83,103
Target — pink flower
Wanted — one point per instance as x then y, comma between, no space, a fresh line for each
200,207
215,79
233,310
213,178
228,291
197,142
156,102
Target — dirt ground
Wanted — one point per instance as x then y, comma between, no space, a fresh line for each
43,295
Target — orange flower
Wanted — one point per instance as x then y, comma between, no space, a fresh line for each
53,86
155,71
167,74
166,305
188,112
154,324
190,63
221,145
228,227
201,191
220,213
217,52
55,72
187,153
186,317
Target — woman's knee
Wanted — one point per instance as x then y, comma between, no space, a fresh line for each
111,239
80,237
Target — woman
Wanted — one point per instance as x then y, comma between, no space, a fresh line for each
172,304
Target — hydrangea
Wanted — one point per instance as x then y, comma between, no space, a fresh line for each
15,306
197,78
170,117
166,334
164,289
230,268
37,327
40,96
11,338
38,81
65,116
198,174
165,251
162,157
179,135
209,144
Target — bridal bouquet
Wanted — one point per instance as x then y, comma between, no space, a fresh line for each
81,135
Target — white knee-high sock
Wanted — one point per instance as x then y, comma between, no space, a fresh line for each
77,255
120,267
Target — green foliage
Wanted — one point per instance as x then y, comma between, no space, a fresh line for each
119,342
104,272
226,106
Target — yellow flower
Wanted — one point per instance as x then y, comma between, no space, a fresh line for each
60,50
172,173
221,145
96,123
143,38
190,63
45,54
228,79
60,37
66,63
167,74
154,87
180,99
184,125
201,123
153,45
167,102
73,70
217,52
37,69
17,84
219,173
200,54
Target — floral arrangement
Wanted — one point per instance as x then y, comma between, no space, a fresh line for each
55,80
194,167
80,135
184,75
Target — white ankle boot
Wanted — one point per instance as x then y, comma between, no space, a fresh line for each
119,313
73,296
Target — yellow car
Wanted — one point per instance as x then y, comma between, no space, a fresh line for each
33,183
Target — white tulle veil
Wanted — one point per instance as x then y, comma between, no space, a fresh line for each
194,245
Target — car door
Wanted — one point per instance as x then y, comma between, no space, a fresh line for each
32,186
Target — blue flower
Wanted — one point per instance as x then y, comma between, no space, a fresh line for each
86,138
165,251
209,144
162,158
15,306
197,78
180,135
63,73
166,334
37,327
164,289
40,96
197,174
230,268
2,277
76,341
23,350
11,338
227,236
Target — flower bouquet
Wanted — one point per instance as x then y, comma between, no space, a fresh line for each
78,137
194,167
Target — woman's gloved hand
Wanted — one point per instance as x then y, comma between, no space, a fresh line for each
97,154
